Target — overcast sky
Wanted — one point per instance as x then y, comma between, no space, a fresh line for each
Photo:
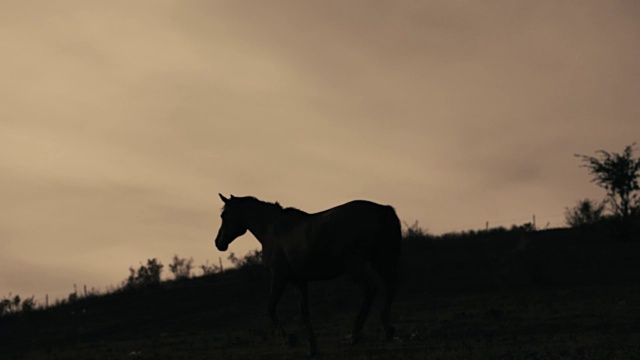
120,121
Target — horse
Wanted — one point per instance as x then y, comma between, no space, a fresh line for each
359,238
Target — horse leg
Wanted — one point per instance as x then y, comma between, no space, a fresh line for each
369,294
390,285
304,315
362,273
278,286
389,276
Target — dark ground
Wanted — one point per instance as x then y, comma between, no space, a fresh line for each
557,294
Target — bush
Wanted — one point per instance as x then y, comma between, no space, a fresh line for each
28,304
587,212
181,268
253,258
526,227
10,304
210,269
414,231
145,275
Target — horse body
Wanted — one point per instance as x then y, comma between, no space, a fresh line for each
324,245
359,238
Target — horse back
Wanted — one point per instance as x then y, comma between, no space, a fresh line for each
324,244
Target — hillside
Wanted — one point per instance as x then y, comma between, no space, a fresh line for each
501,295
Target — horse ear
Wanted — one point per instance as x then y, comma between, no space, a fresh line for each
224,199
232,196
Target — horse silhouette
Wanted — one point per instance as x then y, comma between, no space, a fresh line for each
359,238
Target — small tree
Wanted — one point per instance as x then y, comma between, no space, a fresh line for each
586,212
181,268
618,174
145,275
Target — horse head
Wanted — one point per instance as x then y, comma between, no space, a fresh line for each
233,224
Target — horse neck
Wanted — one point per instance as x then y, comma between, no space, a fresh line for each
260,217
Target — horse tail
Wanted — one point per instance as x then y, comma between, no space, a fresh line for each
387,260
387,254
393,231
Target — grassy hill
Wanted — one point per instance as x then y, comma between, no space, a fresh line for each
556,294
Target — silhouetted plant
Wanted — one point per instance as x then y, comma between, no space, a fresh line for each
210,269
73,297
92,292
233,259
251,266
493,231
145,275
618,174
414,231
586,212
59,302
181,268
28,304
526,227
9,304
252,258
4,306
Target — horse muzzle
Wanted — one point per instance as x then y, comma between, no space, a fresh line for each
222,247
220,243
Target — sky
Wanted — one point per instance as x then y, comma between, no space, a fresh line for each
121,121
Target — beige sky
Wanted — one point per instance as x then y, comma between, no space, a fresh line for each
120,121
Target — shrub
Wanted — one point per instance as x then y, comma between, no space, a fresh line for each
210,269
586,212
145,275
28,304
414,231
252,258
526,227
181,268
9,304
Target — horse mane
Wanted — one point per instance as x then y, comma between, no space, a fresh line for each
289,212
293,211
289,216
241,198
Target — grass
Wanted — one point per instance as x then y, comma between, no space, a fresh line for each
511,295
